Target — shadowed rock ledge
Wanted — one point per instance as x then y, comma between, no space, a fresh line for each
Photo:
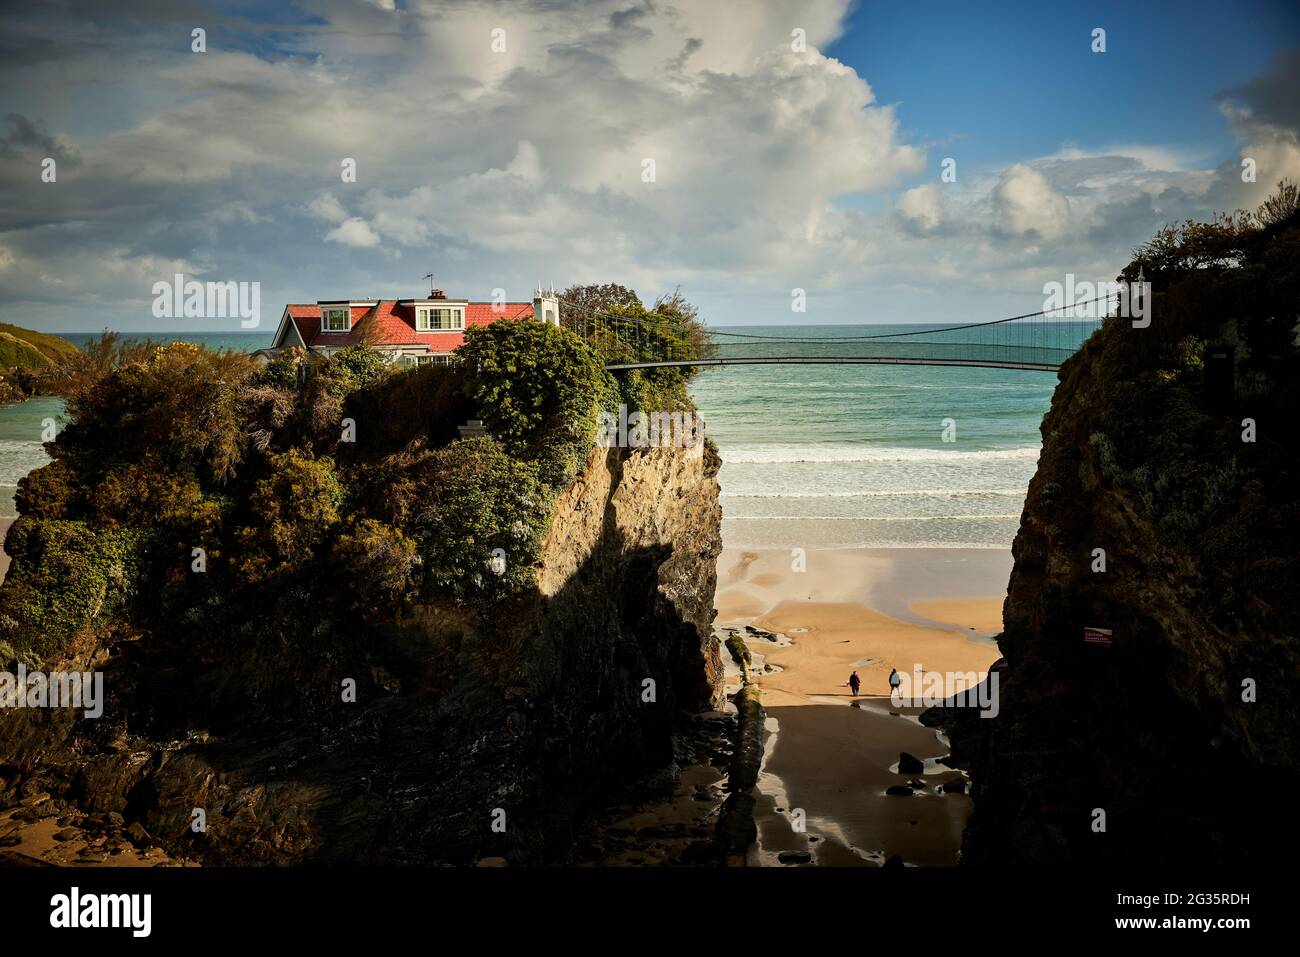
1159,732
531,705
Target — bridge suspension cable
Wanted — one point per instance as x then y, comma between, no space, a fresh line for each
1038,340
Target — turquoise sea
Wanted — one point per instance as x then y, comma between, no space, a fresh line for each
820,456
814,455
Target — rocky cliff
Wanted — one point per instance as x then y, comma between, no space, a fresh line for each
1157,514
478,729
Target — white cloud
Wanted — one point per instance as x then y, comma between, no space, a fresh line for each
921,205
498,169
353,232
327,207
1027,203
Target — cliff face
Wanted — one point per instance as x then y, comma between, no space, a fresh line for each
1180,730
513,714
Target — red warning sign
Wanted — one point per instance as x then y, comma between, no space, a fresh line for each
1103,637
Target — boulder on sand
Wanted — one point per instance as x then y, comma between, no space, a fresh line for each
910,765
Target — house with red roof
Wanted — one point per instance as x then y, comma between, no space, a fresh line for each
411,330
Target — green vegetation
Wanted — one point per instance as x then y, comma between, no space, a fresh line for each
1176,449
541,389
482,525
620,328
738,649
27,349
206,496
65,576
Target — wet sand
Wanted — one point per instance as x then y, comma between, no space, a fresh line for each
829,754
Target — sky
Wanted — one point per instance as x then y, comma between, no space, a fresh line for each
743,152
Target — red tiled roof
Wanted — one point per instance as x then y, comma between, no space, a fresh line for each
390,323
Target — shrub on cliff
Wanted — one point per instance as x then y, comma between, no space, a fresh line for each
425,404
483,520
1240,266
293,510
329,383
1161,437
615,322
540,389
143,493
65,576
380,562
49,492
283,371
179,402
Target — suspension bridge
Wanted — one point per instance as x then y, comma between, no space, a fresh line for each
1038,341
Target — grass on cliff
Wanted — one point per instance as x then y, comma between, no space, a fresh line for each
27,360
27,349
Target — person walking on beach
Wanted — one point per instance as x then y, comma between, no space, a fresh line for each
854,682
894,681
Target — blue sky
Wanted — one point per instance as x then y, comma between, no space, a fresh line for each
777,169
1025,81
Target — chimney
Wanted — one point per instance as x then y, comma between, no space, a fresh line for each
437,294
546,306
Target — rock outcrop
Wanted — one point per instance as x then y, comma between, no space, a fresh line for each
1150,517
478,730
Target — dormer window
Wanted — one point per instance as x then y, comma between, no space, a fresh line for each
335,319
439,318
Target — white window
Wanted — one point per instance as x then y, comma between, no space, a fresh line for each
439,319
335,319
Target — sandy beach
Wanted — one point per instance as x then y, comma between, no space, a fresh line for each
829,754
4,556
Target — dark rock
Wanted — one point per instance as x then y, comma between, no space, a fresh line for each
138,835
893,862
899,790
67,834
794,857
700,852
662,831
1208,587
957,786
910,765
